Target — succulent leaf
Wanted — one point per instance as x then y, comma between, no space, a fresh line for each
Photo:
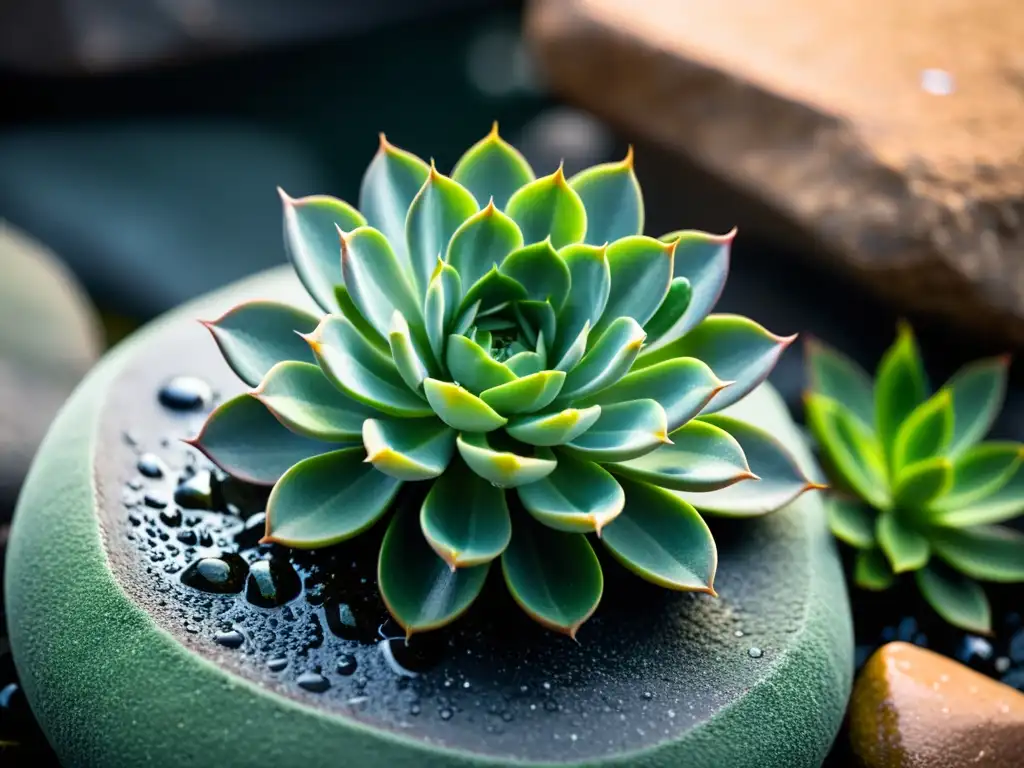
390,184
437,211
641,270
672,309
703,259
1000,506
525,363
465,519
904,547
779,479
493,290
548,207
925,433
537,322
871,571
493,169
589,287
956,599
554,576
557,428
311,227
682,387
408,449
611,194
574,352
851,522
361,370
245,440
663,539
301,398
528,394
441,306
979,472
985,552
482,242
351,312
700,458
900,386
608,361
978,391
923,481
578,497
256,335
471,366
403,351
623,431
736,348
419,588
833,375
326,499
851,449
374,279
504,469
461,409
540,270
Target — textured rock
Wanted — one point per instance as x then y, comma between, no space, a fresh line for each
49,337
888,132
912,708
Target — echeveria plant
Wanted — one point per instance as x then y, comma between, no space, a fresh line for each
509,365
929,494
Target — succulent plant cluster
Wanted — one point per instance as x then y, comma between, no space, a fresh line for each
507,365
926,494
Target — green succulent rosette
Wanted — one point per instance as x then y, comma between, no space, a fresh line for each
926,495
515,357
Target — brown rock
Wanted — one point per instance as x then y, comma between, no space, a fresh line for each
913,708
832,113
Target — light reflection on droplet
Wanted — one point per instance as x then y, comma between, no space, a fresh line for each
937,82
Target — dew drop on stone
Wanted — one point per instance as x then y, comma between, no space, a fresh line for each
446,714
196,492
648,695
277,665
347,664
253,530
150,466
272,583
230,639
188,538
185,393
1002,664
415,709
755,653
223,575
387,650
313,682
171,517
154,501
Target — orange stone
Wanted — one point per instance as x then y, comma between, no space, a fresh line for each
912,708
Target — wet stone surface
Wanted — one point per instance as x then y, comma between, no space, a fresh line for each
311,625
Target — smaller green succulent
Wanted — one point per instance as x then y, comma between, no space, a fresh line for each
930,494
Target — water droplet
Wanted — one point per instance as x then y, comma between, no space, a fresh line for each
937,82
755,653
171,517
277,665
313,682
974,647
150,466
185,393
386,648
272,583
446,714
230,639
648,695
154,501
347,664
253,530
188,538
344,622
415,709
195,492
6,694
738,633
1002,664
224,574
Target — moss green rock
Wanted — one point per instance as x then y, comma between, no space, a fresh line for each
113,685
